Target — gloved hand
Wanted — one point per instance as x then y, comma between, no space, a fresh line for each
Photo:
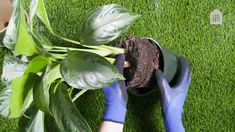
116,97
173,97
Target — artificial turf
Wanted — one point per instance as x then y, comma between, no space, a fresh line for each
184,27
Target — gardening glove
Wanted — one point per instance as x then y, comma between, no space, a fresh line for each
173,97
116,97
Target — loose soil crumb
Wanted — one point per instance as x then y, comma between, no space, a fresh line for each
144,58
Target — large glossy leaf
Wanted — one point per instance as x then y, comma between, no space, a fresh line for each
31,121
36,65
41,89
38,7
41,95
21,91
12,68
53,73
25,44
11,35
50,124
66,115
32,10
5,96
84,70
43,45
5,100
43,42
17,37
105,24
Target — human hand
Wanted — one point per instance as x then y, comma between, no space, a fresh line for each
173,97
116,97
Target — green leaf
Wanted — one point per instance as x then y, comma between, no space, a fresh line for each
31,121
43,42
105,24
50,124
5,100
10,38
24,38
41,95
66,115
17,36
38,7
53,73
32,11
84,70
12,68
43,45
36,65
41,89
21,91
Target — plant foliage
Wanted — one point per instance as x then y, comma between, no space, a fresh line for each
39,75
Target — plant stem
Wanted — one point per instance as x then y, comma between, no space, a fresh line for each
26,116
70,92
57,84
61,51
103,52
71,48
112,60
76,42
79,94
66,39
114,49
58,56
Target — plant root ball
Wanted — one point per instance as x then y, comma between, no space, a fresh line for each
144,59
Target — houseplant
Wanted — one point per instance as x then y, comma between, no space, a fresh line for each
40,76
144,56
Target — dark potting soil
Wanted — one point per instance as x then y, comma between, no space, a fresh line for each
144,59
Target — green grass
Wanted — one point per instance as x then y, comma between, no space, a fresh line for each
182,26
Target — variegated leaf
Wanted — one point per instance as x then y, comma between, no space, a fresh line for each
12,68
105,24
84,70
17,37
5,101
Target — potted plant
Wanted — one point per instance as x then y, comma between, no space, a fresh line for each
40,76
145,55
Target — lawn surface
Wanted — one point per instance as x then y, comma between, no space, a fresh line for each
184,27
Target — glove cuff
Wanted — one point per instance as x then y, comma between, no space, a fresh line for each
173,122
115,113
173,114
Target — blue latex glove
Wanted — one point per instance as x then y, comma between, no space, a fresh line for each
173,97
116,97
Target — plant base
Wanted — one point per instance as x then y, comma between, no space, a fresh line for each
144,57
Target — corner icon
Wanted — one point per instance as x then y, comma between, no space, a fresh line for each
216,17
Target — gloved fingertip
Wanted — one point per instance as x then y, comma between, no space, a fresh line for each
158,74
109,87
104,90
184,73
119,63
121,57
